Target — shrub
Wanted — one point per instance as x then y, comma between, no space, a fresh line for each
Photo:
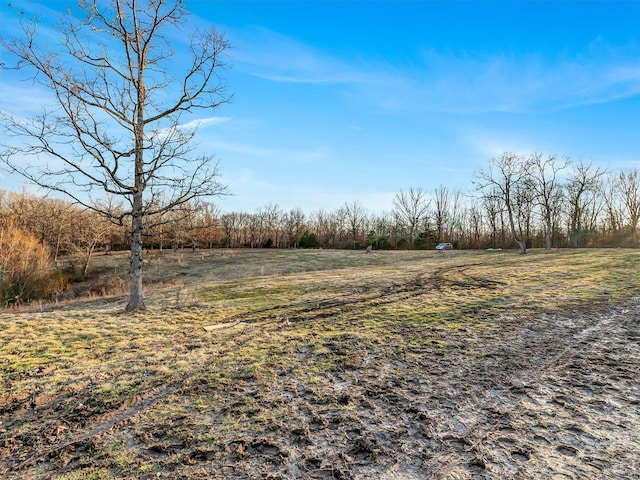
25,268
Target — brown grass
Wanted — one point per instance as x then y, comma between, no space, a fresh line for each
318,366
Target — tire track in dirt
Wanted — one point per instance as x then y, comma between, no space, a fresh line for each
372,294
99,426
554,397
46,447
580,405
529,406
103,420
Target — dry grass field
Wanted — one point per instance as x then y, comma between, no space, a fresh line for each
332,365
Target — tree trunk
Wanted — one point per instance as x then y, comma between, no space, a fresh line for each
85,266
547,234
57,250
514,234
547,239
136,301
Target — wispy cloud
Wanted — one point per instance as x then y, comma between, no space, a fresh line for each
203,122
23,98
458,82
272,56
489,145
529,82
189,127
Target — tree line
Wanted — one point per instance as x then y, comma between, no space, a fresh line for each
538,201
534,201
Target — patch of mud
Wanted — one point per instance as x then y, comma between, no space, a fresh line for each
553,397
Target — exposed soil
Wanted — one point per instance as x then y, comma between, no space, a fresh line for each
548,396
554,397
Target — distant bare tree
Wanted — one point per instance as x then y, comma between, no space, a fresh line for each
271,217
629,182
583,198
547,187
493,209
253,228
455,208
503,178
355,215
411,208
120,101
524,208
294,224
474,218
328,226
89,232
441,210
188,221
48,219
381,231
209,228
230,223
613,204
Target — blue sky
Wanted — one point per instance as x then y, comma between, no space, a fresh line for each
338,101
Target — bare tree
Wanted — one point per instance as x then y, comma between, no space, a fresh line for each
441,211
583,198
186,222
354,215
271,217
547,187
89,231
493,209
454,213
294,224
629,183
504,176
48,219
327,226
613,205
524,208
119,106
412,208
254,227
230,223
474,219
210,221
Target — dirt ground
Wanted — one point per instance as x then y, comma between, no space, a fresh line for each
555,397
546,396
